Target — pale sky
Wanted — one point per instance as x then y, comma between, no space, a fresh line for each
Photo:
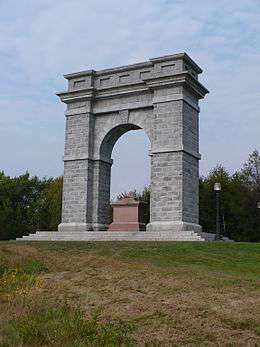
40,40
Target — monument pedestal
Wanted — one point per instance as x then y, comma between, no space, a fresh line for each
127,215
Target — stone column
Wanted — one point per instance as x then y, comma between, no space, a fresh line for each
78,172
101,194
174,161
78,163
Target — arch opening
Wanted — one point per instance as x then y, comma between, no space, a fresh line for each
131,167
112,137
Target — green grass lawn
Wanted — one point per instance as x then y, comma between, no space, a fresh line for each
129,294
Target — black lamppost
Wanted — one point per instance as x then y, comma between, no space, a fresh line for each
217,189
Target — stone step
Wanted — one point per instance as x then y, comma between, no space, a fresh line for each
110,236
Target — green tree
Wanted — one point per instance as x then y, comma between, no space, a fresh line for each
240,194
251,171
250,174
50,204
19,204
28,204
207,199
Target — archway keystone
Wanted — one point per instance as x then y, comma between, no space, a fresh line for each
159,96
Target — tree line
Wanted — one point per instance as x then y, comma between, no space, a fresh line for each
240,195
30,203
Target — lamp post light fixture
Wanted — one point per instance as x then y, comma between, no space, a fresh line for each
217,189
258,204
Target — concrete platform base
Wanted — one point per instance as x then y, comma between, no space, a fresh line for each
113,236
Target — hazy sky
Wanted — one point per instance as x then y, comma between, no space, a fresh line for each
40,40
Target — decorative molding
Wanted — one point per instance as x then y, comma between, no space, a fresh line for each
177,149
85,157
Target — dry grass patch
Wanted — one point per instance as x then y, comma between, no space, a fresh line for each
153,294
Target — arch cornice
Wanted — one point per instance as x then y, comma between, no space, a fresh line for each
154,82
142,78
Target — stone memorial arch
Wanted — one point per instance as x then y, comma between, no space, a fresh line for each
159,96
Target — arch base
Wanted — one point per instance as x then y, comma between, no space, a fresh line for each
81,227
75,227
173,226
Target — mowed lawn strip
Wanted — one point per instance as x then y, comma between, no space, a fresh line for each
129,293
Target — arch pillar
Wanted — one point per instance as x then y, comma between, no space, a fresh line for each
174,162
101,194
78,171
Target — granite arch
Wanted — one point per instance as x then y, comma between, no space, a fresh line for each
159,96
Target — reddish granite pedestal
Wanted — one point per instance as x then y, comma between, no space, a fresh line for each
127,215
